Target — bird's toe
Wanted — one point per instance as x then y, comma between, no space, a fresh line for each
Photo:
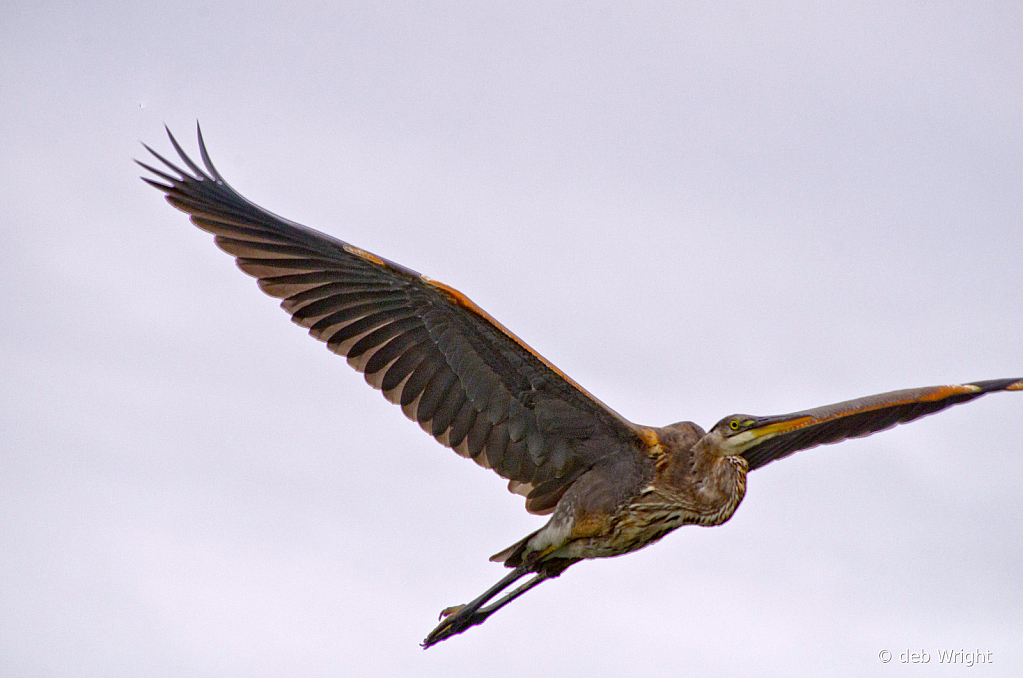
448,611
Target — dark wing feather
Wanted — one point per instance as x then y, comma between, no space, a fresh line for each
861,417
453,369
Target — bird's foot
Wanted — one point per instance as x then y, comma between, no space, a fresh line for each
454,620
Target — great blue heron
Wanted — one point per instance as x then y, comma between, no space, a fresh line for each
612,486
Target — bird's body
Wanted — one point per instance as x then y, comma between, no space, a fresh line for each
609,485
633,499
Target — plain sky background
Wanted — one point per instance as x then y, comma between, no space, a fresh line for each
694,209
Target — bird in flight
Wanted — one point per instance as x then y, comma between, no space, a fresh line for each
609,485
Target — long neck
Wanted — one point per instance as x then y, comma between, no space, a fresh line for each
706,483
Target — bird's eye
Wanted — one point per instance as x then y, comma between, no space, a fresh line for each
734,425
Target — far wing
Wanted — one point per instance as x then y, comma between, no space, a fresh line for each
863,416
461,375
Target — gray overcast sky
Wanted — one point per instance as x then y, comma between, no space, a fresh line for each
693,209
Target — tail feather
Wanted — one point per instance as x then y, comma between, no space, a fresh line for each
512,556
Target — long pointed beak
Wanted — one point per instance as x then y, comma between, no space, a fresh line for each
781,423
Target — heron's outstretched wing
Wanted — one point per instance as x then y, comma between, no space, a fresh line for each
861,417
460,374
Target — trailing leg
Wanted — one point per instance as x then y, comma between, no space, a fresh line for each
457,619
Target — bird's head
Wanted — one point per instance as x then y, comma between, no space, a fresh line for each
738,432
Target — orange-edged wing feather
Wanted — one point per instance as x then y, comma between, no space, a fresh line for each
863,416
460,374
